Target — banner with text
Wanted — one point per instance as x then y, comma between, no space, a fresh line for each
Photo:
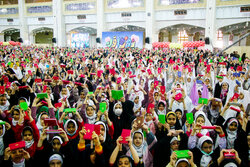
125,39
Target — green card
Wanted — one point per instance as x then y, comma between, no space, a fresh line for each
203,100
90,93
182,154
42,95
162,118
70,110
27,60
24,106
190,118
9,63
103,107
71,60
2,122
219,77
117,94
211,60
222,57
240,59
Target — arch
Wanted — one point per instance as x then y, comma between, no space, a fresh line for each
4,29
196,23
34,28
128,28
112,26
84,29
227,22
71,27
42,29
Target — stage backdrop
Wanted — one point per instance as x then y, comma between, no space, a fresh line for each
122,39
80,40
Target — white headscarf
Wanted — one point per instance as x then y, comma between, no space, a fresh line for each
56,157
181,160
206,158
38,124
139,149
5,107
138,105
206,123
66,124
115,110
1,141
103,124
231,135
91,119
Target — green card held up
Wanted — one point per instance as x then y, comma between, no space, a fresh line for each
42,95
162,118
70,110
24,106
182,154
103,107
190,118
2,122
90,93
203,100
117,94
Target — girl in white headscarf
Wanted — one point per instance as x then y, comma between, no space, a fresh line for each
143,147
205,153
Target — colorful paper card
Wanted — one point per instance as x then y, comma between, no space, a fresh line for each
89,131
103,107
70,110
24,106
162,118
190,118
42,95
203,101
117,94
125,134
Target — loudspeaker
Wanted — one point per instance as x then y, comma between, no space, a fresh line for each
98,40
207,41
20,40
147,40
53,40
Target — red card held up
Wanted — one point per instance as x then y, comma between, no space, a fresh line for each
119,80
44,88
70,71
97,129
235,109
17,145
38,80
55,78
89,130
178,96
162,89
1,90
159,70
50,121
156,83
208,127
58,105
125,133
149,72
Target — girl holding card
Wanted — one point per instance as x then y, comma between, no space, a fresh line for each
117,159
236,137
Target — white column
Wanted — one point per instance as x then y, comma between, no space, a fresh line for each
24,33
150,22
59,24
210,30
1,37
100,20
